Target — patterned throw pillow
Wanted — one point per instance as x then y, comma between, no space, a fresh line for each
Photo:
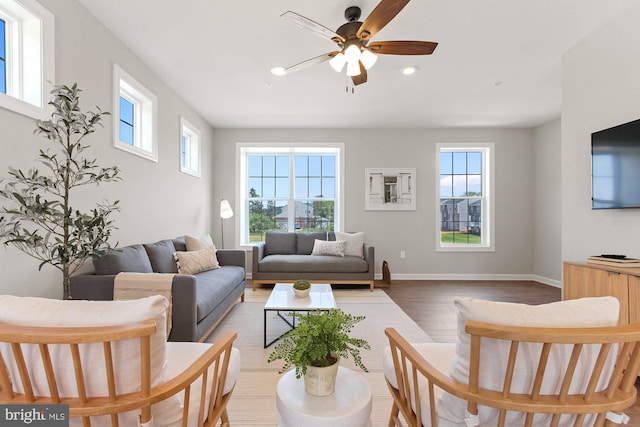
192,262
324,247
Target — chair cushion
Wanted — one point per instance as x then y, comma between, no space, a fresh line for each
279,243
439,355
33,311
130,259
161,256
585,312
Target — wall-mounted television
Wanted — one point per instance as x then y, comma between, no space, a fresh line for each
615,167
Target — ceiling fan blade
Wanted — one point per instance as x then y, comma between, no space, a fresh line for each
307,24
403,47
384,12
309,62
361,78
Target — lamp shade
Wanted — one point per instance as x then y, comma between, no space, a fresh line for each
225,209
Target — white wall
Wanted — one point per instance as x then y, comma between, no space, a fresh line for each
157,200
413,231
601,88
547,199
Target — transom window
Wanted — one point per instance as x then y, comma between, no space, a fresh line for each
26,56
464,197
289,189
135,106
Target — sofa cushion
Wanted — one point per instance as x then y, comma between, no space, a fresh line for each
584,312
355,243
132,259
192,262
161,256
312,264
305,241
279,243
213,286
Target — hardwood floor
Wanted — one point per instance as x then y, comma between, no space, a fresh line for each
430,304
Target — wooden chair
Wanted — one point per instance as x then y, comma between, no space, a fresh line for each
22,368
416,384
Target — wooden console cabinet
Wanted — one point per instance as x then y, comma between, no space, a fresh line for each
582,279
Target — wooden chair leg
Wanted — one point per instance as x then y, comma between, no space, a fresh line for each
394,415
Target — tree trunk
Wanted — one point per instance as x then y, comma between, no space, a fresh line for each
65,282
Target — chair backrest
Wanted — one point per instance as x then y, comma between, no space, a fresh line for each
606,381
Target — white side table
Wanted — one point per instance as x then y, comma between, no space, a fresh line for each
348,406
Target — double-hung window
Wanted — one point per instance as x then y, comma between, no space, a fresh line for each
26,56
135,116
464,217
189,148
289,188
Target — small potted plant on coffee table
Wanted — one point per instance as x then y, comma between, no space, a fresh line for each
302,288
316,345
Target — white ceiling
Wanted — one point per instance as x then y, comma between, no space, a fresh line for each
497,62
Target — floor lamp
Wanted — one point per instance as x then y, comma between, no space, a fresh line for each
225,213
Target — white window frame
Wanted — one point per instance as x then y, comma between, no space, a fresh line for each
192,159
488,192
30,57
243,150
145,113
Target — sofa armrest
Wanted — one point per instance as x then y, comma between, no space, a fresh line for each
183,300
236,257
258,254
369,256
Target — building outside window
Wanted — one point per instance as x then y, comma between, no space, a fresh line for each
465,197
289,188
135,106
27,62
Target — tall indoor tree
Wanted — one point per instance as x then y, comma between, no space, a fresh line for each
39,219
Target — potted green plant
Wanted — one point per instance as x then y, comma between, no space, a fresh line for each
302,288
316,345
41,220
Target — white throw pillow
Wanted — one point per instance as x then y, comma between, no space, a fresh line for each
584,312
355,243
324,247
31,311
192,262
195,243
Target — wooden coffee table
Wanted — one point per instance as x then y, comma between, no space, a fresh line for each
282,298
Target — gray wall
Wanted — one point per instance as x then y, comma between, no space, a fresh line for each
157,200
547,257
600,89
414,231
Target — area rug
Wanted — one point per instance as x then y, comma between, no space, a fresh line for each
254,401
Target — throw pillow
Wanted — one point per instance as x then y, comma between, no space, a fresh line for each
192,262
323,247
131,259
161,256
584,312
195,243
355,243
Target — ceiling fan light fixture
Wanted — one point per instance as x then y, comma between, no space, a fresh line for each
368,59
337,62
352,53
353,69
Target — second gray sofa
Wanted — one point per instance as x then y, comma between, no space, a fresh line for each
286,257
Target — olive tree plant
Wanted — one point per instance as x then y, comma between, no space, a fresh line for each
39,219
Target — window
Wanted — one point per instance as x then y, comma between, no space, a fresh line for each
465,197
289,188
26,56
136,109
189,148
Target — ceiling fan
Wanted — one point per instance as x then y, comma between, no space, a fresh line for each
353,39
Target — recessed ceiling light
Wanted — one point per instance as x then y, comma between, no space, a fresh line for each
407,71
278,71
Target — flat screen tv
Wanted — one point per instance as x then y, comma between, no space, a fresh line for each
615,167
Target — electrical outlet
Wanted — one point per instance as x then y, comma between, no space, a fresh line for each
403,254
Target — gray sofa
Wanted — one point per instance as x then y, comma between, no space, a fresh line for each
200,301
286,257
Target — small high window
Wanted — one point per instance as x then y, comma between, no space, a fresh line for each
135,108
26,56
189,148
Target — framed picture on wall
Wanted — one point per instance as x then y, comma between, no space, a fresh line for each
390,189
